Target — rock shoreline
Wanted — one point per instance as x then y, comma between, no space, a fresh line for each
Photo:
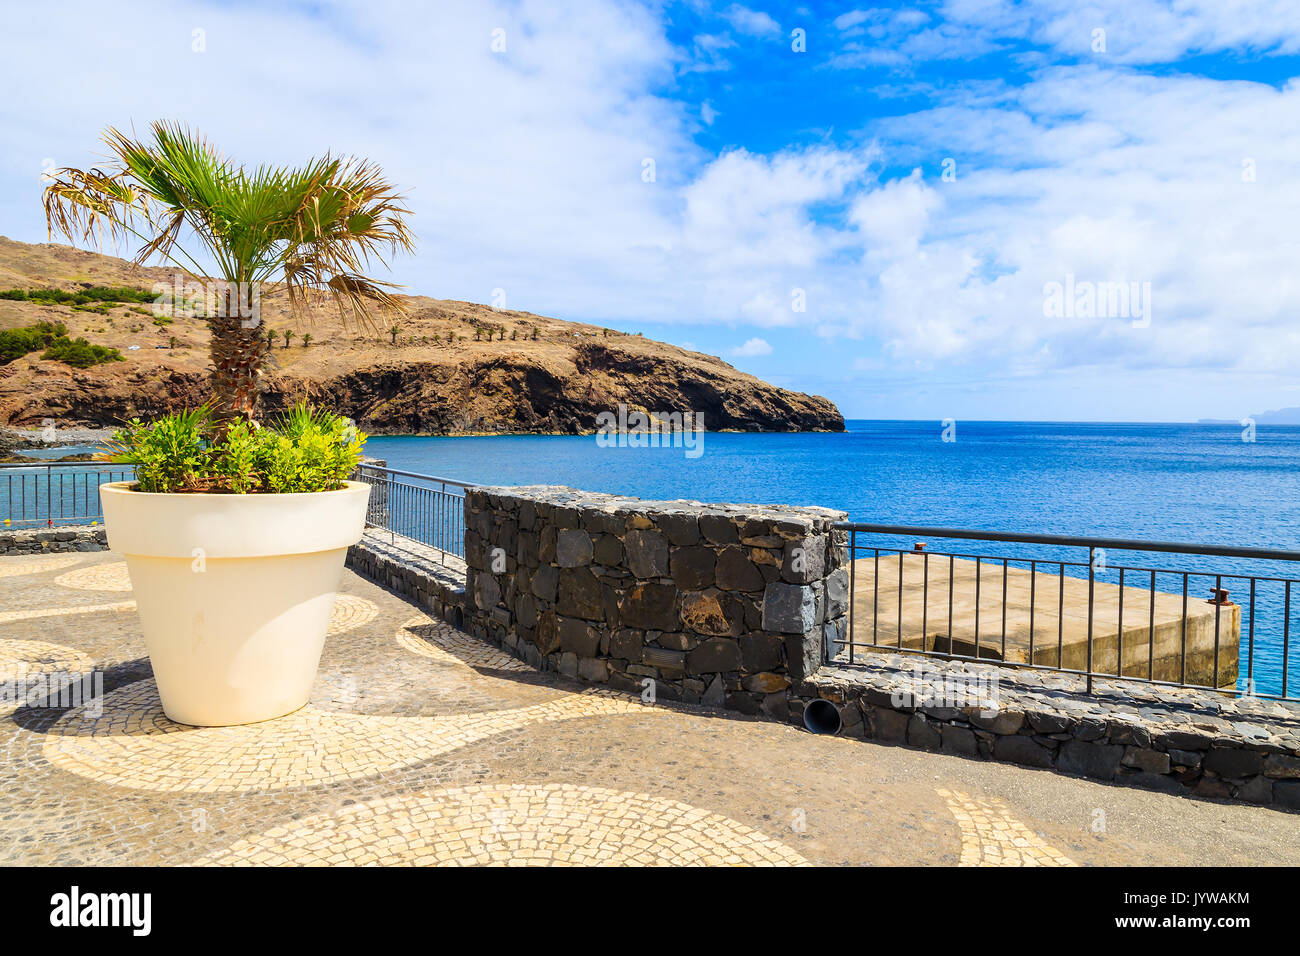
447,367
15,439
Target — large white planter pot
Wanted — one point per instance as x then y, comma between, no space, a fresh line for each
234,592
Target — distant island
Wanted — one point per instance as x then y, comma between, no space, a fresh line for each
449,368
1281,416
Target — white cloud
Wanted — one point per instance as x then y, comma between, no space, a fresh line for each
751,22
1136,31
893,219
748,236
525,174
509,157
1106,177
709,53
1153,31
853,18
751,349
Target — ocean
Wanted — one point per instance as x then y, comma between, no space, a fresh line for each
1201,484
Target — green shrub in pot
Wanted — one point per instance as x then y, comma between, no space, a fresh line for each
303,450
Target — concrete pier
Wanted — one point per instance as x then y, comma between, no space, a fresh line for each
1153,640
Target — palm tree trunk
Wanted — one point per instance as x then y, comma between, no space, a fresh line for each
238,353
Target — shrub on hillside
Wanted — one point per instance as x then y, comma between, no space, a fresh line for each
101,294
79,353
15,343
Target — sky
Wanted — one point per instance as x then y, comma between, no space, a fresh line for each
1074,210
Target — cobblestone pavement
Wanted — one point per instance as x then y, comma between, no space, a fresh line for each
424,745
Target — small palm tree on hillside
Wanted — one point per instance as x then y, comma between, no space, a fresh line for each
393,332
288,334
314,229
306,339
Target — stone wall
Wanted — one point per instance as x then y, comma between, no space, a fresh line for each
717,604
425,576
1162,738
53,540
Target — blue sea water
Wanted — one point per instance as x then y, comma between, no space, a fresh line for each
1167,482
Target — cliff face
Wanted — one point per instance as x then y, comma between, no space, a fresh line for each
431,377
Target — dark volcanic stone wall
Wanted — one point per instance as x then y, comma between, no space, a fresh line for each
718,604
52,540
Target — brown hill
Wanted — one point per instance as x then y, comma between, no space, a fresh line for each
434,379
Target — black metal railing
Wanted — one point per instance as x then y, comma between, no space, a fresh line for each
54,494
1050,608
424,508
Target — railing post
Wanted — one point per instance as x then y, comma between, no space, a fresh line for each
1092,578
442,513
853,589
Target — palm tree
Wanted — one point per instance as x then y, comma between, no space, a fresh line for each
270,338
314,229
393,332
288,334
306,339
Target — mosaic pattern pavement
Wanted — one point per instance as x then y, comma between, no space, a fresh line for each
422,744
39,657
25,566
991,836
446,645
132,744
351,612
515,825
35,669
97,577
33,614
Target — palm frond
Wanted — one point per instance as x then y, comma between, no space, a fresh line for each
82,204
316,228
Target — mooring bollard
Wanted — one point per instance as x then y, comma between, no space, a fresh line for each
1219,596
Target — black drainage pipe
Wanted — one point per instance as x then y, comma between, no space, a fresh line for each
822,717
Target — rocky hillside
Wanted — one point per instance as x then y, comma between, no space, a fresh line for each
438,374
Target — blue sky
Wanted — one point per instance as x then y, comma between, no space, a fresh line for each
799,221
